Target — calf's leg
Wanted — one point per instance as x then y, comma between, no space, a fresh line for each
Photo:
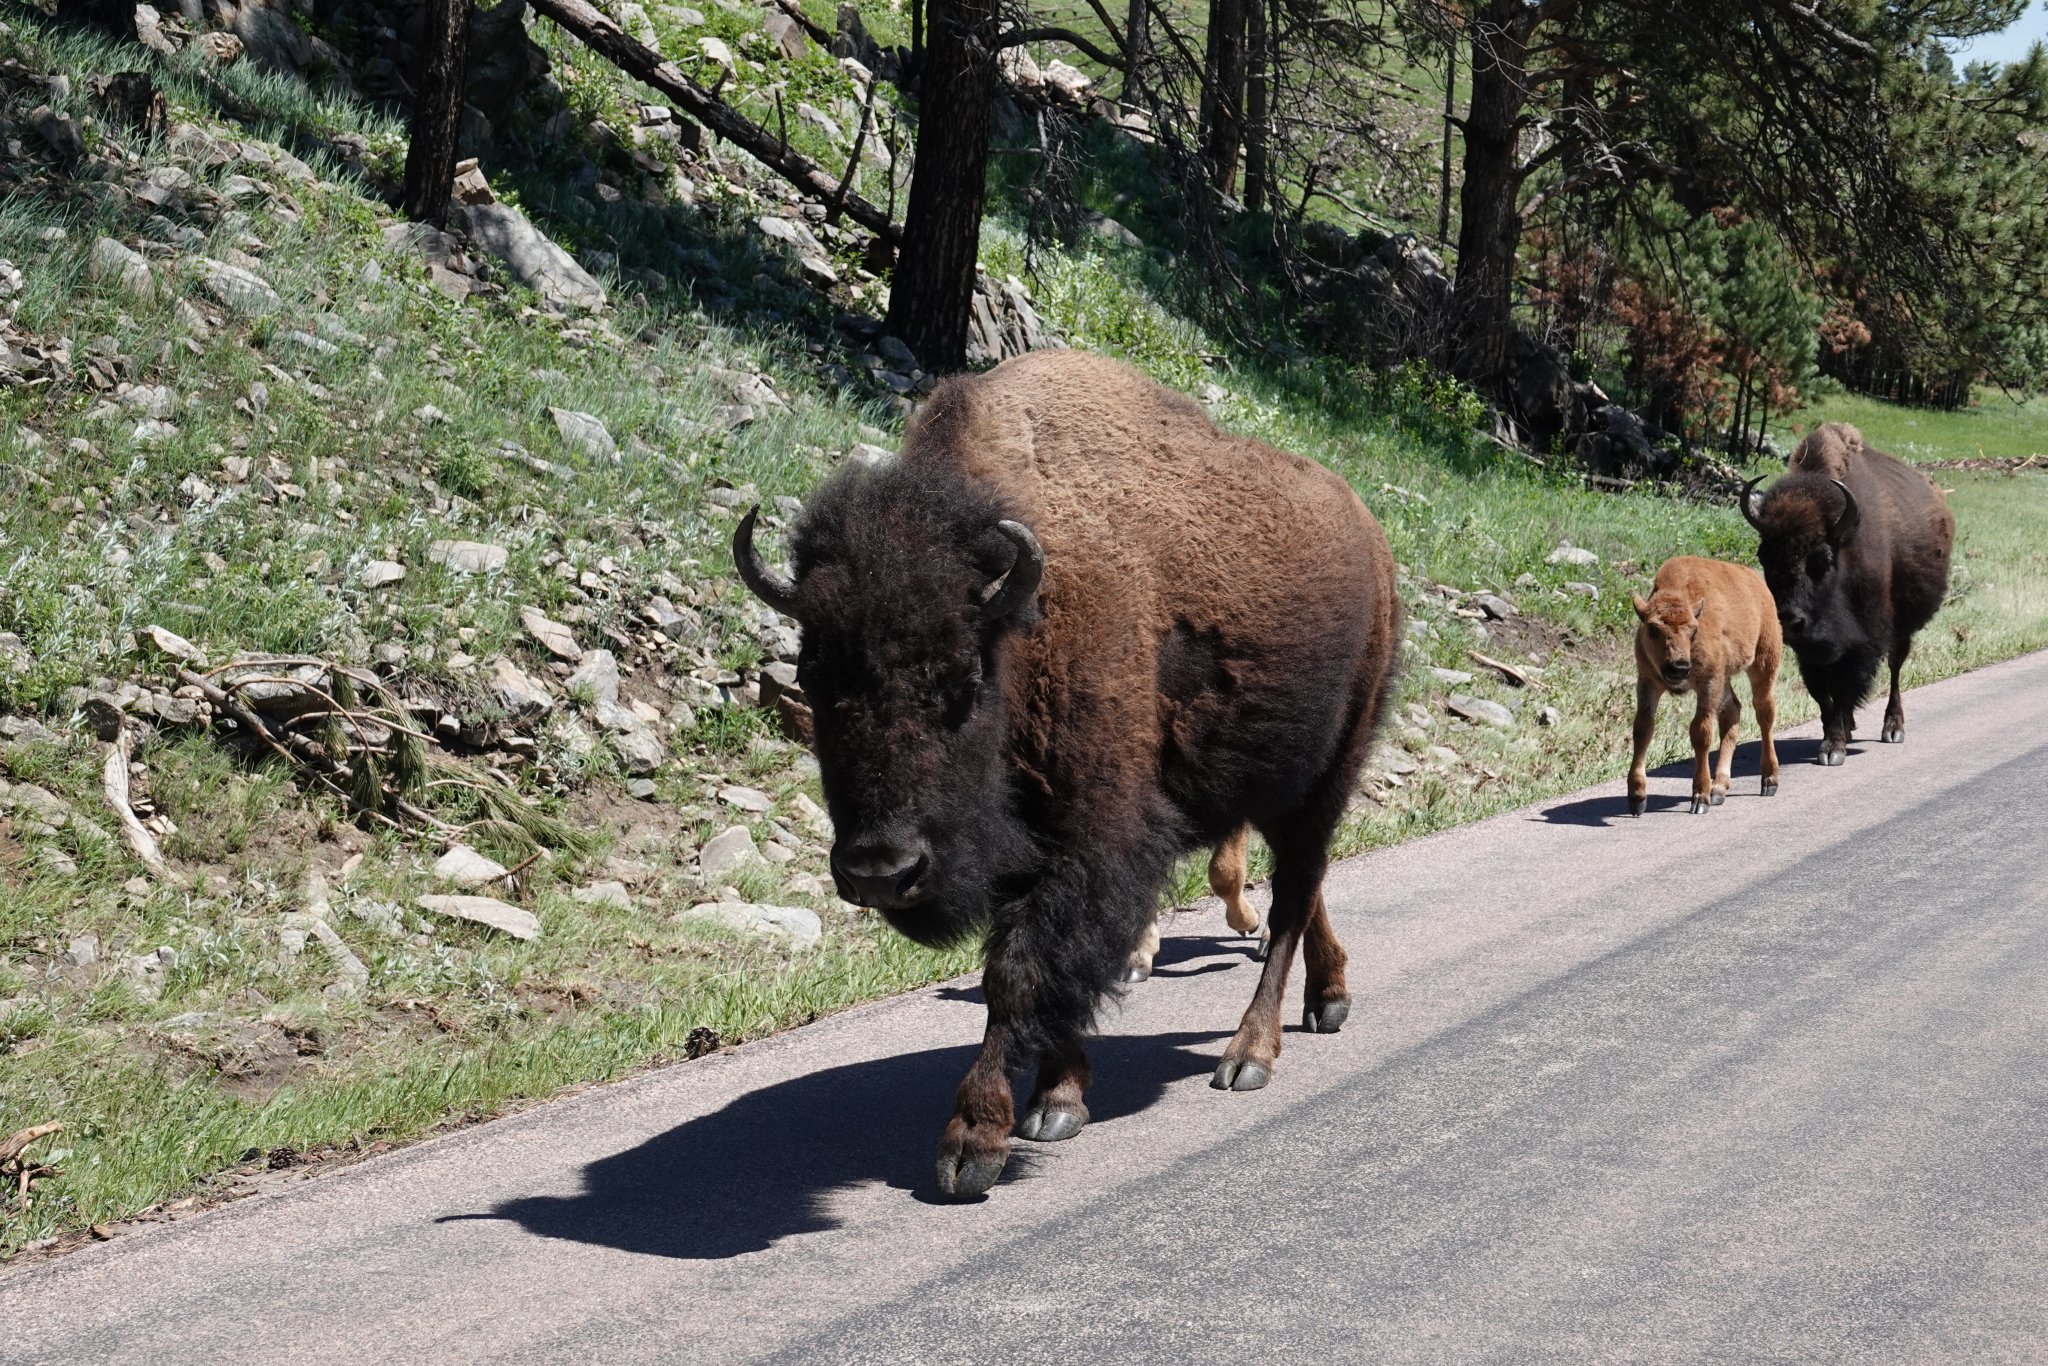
1140,965
1226,880
1702,741
1763,696
1647,695
1730,715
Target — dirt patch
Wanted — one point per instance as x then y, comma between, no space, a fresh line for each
1990,464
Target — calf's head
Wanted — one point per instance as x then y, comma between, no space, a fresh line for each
1805,523
907,595
1671,624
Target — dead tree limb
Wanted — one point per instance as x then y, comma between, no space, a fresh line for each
604,37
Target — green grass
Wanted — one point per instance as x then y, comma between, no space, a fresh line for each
1993,427
168,1075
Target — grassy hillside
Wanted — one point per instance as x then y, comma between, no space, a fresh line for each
240,474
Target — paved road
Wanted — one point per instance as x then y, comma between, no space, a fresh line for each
1766,1083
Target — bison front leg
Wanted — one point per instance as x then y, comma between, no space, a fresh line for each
1702,743
976,1144
1647,695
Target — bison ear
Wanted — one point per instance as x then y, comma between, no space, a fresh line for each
1642,607
1844,529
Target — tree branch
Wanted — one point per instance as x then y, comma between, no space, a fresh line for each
1017,37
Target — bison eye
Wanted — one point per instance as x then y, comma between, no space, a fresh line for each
1819,563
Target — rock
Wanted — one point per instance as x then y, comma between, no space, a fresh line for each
469,557
640,752
642,789
234,287
354,976
1567,553
540,264
84,951
715,50
811,816
220,47
125,267
747,799
582,432
612,895
801,928
464,867
1068,81
597,677
271,40
522,697
790,41
176,646
1481,710
104,716
1497,608
1456,678
1549,716
59,132
381,574
557,638
1583,589
485,910
725,853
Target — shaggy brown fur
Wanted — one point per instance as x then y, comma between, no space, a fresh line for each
1857,563
1705,621
1211,646
1827,450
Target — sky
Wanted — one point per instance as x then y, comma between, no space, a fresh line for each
2010,45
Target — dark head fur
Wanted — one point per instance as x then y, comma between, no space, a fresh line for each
1805,523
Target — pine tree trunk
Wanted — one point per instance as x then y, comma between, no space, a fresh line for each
1490,225
1137,52
1223,97
437,112
1257,132
933,288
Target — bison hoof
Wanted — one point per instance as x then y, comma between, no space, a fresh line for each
1637,805
1770,787
1240,1074
1702,805
963,1175
1832,754
1894,733
1051,1123
1327,1018
1137,972
1265,946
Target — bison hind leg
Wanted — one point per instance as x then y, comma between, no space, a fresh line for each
1055,1110
1894,732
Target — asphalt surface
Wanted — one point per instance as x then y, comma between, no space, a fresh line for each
1769,1083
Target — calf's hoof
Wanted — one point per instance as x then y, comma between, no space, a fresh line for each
1637,805
1770,787
1326,1018
1137,972
1240,1074
1265,946
1702,805
1720,795
969,1162
1049,1122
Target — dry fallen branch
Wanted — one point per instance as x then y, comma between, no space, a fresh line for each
1514,673
114,784
13,1147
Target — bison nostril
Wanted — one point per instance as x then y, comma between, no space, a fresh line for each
882,875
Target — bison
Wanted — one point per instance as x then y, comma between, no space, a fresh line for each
1072,632
1857,563
1705,621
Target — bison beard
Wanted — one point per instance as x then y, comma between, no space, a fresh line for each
1856,566
1211,644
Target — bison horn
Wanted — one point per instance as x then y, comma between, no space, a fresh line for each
1015,588
1749,502
767,585
1845,525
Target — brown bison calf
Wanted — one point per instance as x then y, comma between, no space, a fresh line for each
1226,880
1705,619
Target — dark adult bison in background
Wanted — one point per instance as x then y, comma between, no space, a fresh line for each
1071,633
1855,546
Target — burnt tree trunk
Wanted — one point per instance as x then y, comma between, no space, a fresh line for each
437,112
1490,221
1257,100
1223,93
933,288
1137,51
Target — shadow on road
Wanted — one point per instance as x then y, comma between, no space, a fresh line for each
761,1169
1664,796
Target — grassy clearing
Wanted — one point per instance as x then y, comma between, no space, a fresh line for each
420,420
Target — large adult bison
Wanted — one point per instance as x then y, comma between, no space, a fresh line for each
1072,632
1855,546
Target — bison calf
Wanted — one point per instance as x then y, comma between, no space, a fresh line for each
1226,880
1705,620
